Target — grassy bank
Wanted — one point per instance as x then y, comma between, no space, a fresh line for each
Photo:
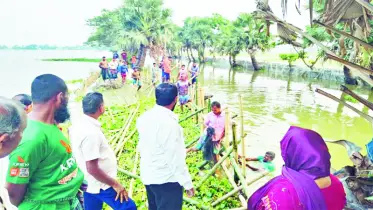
89,60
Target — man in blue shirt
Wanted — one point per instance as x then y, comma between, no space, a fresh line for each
195,72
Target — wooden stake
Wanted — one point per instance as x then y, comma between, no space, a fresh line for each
357,97
367,117
243,149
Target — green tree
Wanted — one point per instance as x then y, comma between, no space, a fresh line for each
252,32
142,23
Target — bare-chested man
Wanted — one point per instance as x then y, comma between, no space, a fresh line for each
104,66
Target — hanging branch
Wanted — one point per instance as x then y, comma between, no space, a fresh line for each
367,117
347,63
358,71
355,96
365,44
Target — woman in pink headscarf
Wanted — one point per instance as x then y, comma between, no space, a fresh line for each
306,182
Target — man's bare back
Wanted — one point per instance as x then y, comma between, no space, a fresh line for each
104,64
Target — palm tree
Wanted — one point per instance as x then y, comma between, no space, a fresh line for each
144,23
254,36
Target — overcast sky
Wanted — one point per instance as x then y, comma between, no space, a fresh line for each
62,22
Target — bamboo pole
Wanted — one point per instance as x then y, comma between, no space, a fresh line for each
230,150
233,183
367,117
192,142
228,127
319,44
134,172
191,115
209,104
347,63
121,146
363,43
235,190
243,149
365,4
201,105
357,97
123,139
127,173
234,141
240,176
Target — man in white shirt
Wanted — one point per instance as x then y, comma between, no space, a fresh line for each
96,159
161,144
13,121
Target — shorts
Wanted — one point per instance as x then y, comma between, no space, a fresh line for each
194,80
104,73
113,74
201,144
136,82
184,99
124,75
166,75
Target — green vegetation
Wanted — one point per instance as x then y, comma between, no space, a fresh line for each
144,24
290,58
350,99
114,119
94,60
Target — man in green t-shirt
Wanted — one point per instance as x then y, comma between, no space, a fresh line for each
43,174
265,162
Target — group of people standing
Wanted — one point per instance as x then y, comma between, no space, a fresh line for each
111,69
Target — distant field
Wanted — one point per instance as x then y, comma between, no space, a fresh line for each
94,60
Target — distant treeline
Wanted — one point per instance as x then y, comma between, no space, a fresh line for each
49,47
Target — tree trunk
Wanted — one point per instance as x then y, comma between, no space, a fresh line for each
187,51
348,76
141,56
254,62
234,64
191,54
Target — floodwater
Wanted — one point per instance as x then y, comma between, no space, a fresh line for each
271,102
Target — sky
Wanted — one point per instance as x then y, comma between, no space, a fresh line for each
63,22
